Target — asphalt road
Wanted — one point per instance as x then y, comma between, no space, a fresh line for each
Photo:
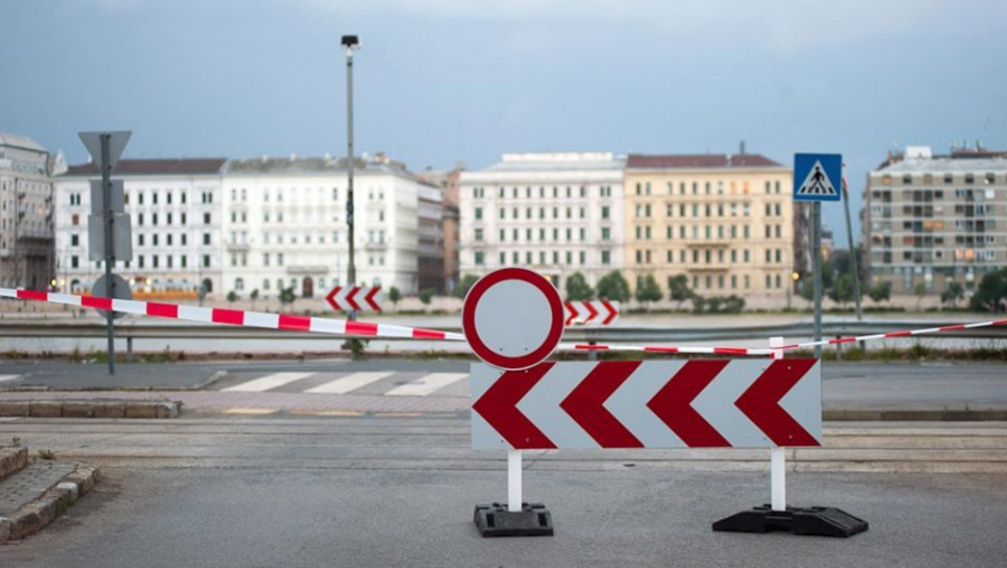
936,385
369,492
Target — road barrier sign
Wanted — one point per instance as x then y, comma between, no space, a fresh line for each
648,404
513,318
355,298
591,313
120,291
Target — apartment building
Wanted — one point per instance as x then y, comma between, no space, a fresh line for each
175,206
725,221
285,225
555,213
932,219
448,182
26,212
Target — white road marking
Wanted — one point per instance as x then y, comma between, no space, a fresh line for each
427,385
268,382
4,378
350,382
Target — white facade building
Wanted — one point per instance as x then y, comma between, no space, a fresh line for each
175,208
285,225
555,213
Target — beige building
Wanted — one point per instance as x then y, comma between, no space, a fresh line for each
933,219
726,222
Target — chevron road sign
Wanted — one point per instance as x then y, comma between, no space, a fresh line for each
648,404
355,298
592,313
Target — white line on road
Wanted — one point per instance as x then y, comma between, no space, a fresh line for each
4,378
268,382
350,382
427,384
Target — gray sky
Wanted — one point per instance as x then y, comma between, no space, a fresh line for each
440,81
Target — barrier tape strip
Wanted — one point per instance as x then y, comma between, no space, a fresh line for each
764,351
235,317
366,329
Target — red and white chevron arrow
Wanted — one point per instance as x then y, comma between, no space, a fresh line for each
595,312
648,404
355,298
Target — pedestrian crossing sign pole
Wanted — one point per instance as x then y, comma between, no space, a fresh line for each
817,178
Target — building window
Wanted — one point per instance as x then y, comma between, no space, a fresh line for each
206,261
606,257
478,257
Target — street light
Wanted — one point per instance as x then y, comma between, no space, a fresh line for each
351,43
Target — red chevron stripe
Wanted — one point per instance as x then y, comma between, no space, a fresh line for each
673,404
612,312
591,310
331,298
761,402
572,313
498,406
369,298
349,298
585,404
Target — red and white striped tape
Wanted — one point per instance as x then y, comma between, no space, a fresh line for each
763,351
235,317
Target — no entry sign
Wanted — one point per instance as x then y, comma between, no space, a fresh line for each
513,318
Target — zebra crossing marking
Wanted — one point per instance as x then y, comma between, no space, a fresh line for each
268,382
427,384
351,382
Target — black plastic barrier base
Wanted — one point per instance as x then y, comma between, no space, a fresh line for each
495,520
814,521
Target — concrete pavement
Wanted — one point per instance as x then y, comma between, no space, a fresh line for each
361,492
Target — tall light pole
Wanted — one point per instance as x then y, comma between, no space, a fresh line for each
351,43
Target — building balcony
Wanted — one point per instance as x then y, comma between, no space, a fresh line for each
375,245
709,243
307,269
238,247
711,268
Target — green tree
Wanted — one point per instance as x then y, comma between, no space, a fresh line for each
881,292
678,288
577,288
464,284
842,290
426,295
253,297
647,290
952,293
287,296
232,297
394,295
614,287
992,292
920,290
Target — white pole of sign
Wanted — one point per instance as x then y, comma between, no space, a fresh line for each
514,481
778,456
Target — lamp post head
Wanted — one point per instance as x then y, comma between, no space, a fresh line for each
351,43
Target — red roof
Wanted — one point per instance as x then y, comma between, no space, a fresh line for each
180,166
698,161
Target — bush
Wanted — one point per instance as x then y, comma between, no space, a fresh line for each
718,304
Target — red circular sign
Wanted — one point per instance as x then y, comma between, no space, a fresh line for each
513,318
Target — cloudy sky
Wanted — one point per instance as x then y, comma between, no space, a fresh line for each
440,81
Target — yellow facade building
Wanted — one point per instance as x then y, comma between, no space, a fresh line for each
726,222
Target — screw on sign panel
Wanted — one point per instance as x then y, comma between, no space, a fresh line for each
513,318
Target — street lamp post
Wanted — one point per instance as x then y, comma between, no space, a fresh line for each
351,43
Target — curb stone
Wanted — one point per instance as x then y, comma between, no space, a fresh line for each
12,460
34,516
92,409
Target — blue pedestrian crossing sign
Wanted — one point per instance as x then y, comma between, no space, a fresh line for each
817,177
